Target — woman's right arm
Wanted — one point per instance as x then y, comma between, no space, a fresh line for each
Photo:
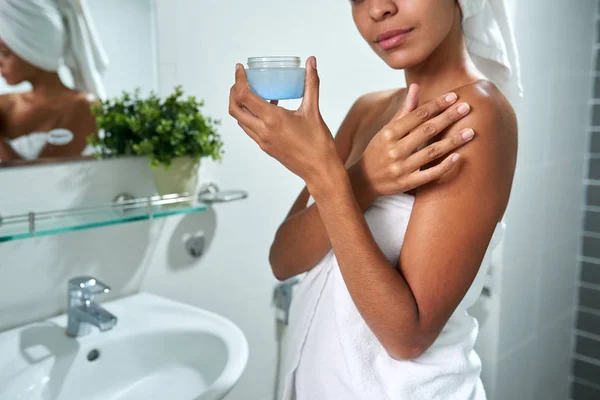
301,241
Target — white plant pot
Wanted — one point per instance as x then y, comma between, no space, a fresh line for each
181,177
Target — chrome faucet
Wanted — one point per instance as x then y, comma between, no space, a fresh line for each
82,311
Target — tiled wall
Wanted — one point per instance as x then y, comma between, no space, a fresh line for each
586,363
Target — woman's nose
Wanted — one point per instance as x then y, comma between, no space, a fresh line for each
382,9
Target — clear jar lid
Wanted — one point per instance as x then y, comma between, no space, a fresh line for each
274,62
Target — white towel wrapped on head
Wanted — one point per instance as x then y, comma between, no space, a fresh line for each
490,41
47,32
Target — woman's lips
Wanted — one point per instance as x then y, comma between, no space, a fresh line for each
393,38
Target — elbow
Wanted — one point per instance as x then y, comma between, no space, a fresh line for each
405,353
281,274
278,272
408,350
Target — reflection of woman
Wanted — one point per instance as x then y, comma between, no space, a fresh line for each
51,120
370,321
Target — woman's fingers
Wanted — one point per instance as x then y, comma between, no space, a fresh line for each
433,127
310,99
410,103
420,178
242,116
401,126
438,149
244,96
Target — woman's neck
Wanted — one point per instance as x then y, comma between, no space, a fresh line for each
447,68
47,85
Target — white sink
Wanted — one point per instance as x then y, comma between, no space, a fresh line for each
159,349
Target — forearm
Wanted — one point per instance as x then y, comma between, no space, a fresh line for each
379,291
302,241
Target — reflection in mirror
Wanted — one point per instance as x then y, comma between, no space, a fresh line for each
60,58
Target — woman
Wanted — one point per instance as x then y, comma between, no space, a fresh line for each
370,321
51,120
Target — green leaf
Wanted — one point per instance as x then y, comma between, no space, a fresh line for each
160,129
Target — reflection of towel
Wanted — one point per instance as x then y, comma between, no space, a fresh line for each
44,32
29,146
491,43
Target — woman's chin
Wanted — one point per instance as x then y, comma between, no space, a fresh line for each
400,60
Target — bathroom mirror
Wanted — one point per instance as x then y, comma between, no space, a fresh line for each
59,59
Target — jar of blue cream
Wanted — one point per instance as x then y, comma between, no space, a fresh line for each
276,78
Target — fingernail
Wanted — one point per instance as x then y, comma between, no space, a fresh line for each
238,67
451,97
463,108
313,62
455,158
468,134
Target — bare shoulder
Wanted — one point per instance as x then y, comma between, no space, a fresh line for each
375,103
80,107
490,110
366,108
78,114
488,161
84,101
494,121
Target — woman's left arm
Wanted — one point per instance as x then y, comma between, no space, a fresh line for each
449,230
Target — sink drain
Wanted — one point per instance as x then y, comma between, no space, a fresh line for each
93,355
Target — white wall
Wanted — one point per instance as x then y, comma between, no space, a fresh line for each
538,275
128,33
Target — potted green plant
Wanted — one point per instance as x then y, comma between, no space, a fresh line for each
172,132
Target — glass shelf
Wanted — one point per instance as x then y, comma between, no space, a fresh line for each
123,210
